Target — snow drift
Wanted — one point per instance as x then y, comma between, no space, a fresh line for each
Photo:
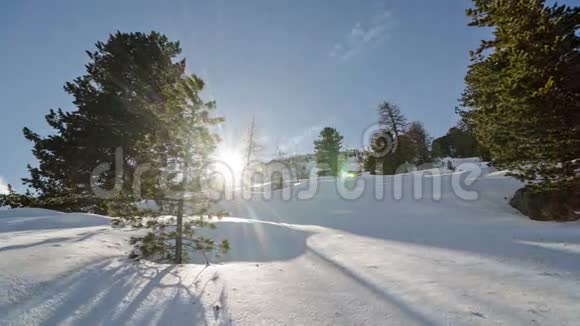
316,258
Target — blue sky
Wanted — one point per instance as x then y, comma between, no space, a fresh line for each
297,65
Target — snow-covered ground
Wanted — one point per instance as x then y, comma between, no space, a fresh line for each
320,260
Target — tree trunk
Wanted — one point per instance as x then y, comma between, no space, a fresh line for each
179,234
250,143
205,257
179,227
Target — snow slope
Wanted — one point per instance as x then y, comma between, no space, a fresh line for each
319,261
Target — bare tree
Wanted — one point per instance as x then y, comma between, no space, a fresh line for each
253,147
390,115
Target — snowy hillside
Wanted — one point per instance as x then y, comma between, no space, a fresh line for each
320,258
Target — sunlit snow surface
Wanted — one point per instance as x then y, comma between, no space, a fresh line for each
322,261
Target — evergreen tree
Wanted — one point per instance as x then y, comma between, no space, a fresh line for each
420,142
136,107
117,102
327,149
13,199
458,142
393,134
523,90
404,155
190,143
382,143
370,163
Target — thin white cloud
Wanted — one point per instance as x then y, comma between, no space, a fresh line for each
3,187
296,140
290,145
362,35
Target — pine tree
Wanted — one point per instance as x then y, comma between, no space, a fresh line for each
393,134
327,150
404,155
190,143
420,142
523,90
117,102
136,107
459,142
13,199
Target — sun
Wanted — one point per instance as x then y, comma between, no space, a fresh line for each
232,159
230,164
